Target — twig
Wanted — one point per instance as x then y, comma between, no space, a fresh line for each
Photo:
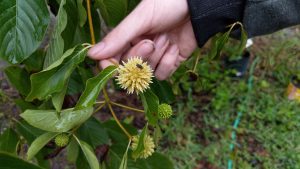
126,107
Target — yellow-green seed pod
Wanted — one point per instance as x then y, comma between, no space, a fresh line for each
164,111
61,140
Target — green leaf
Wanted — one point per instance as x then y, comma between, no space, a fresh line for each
56,46
94,86
34,63
88,153
115,132
219,41
72,151
27,131
163,90
9,141
132,4
23,25
39,143
10,162
123,164
55,122
157,135
58,98
81,13
155,161
23,105
112,11
93,132
54,78
150,103
19,78
76,85
140,147
68,34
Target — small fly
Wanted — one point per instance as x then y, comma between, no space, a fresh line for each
139,66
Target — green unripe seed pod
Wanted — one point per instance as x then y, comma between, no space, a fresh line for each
164,111
61,140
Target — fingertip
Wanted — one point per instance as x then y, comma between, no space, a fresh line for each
96,51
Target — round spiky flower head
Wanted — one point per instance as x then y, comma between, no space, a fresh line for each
148,146
62,140
135,75
164,111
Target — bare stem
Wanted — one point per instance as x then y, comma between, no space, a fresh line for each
126,107
88,4
114,114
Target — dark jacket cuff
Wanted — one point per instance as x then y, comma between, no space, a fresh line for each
209,17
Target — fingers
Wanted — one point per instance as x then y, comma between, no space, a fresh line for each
110,61
135,24
161,45
167,64
143,49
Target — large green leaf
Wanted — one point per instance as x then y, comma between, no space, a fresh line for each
89,154
72,151
39,143
27,131
56,47
50,120
19,78
54,78
132,4
163,90
93,132
34,63
123,164
112,11
23,25
94,86
10,162
150,103
155,161
116,134
9,141
58,98
81,12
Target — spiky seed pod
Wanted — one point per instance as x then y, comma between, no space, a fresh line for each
164,111
134,75
148,145
62,140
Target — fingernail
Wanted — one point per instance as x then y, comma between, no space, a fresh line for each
173,49
160,42
146,48
96,49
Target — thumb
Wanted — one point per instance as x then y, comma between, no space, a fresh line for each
134,25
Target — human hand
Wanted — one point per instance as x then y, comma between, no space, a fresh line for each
157,30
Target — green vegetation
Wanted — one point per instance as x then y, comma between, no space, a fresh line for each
268,133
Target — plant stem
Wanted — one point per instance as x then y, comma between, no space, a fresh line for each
126,107
107,100
114,114
99,108
196,63
100,102
88,4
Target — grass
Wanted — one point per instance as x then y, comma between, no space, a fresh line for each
268,135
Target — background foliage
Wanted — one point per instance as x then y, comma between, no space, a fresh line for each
56,90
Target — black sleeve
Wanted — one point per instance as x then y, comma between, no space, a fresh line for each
267,16
259,17
209,17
